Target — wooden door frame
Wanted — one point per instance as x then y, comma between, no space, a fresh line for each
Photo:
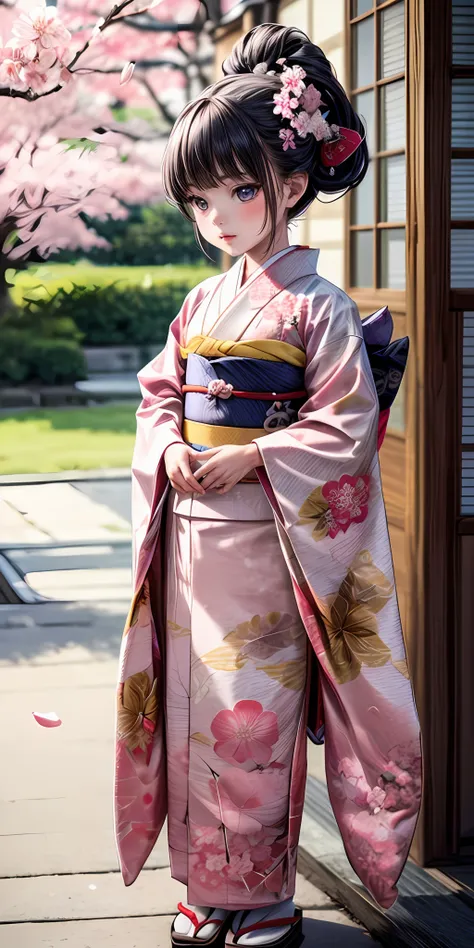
432,472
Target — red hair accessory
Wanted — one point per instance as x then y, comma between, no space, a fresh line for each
335,152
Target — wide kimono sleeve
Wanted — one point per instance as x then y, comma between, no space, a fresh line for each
322,475
140,793
159,423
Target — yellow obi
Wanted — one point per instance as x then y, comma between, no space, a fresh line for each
213,436
273,350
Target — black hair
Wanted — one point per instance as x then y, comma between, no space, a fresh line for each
230,129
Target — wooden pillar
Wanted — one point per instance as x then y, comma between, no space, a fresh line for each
432,451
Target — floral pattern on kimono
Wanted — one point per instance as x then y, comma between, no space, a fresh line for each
321,475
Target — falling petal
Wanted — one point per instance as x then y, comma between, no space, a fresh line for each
47,718
127,73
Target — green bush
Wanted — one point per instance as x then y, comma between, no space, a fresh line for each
29,358
162,235
118,315
149,236
39,346
39,318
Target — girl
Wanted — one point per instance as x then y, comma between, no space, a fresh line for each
264,589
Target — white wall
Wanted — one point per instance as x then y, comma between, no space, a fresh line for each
323,225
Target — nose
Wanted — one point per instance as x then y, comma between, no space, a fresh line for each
218,219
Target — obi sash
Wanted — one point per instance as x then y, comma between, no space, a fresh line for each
236,397
237,391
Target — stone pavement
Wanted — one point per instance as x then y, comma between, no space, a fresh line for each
59,880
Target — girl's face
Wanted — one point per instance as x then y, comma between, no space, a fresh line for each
231,216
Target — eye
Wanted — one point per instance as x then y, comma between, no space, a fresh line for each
247,192
198,202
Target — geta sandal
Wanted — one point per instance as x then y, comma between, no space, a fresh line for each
296,922
199,922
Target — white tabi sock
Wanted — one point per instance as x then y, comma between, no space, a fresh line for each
263,936
183,925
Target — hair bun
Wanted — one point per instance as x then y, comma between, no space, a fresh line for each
261,46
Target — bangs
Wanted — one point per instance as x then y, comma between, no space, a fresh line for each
213,140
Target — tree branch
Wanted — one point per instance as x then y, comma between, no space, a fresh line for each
150,25
131,135
160,105
112,17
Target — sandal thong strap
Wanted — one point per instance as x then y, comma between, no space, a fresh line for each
188,913
268,923
194,919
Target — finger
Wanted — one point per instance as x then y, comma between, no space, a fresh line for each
193,483
207,468
180,484
194,454
215,480
190,479
209,452
226,487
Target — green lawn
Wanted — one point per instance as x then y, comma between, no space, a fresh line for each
38,281
67,439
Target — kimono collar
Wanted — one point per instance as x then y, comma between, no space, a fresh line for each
307,257
227,313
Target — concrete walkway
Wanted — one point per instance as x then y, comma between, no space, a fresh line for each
59,879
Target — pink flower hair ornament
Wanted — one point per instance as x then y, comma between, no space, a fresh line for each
338,143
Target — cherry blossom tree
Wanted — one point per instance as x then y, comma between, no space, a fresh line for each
43,54
64,151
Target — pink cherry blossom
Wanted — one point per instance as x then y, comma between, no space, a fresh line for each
238,866
302,123
205,836
246,733
216,862
292,79
311,99
284,104
238,843
40,25
39,81
44,188
12,60
348,501
262,857
248,802
319,127
43,72
353,783
288,138
10,73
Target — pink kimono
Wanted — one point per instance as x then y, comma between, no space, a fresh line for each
253,608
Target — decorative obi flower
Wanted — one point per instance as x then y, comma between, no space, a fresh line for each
219,389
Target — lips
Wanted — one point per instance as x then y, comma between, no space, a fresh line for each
226,236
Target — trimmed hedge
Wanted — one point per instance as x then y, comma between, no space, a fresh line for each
118,315
41,340
53,361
